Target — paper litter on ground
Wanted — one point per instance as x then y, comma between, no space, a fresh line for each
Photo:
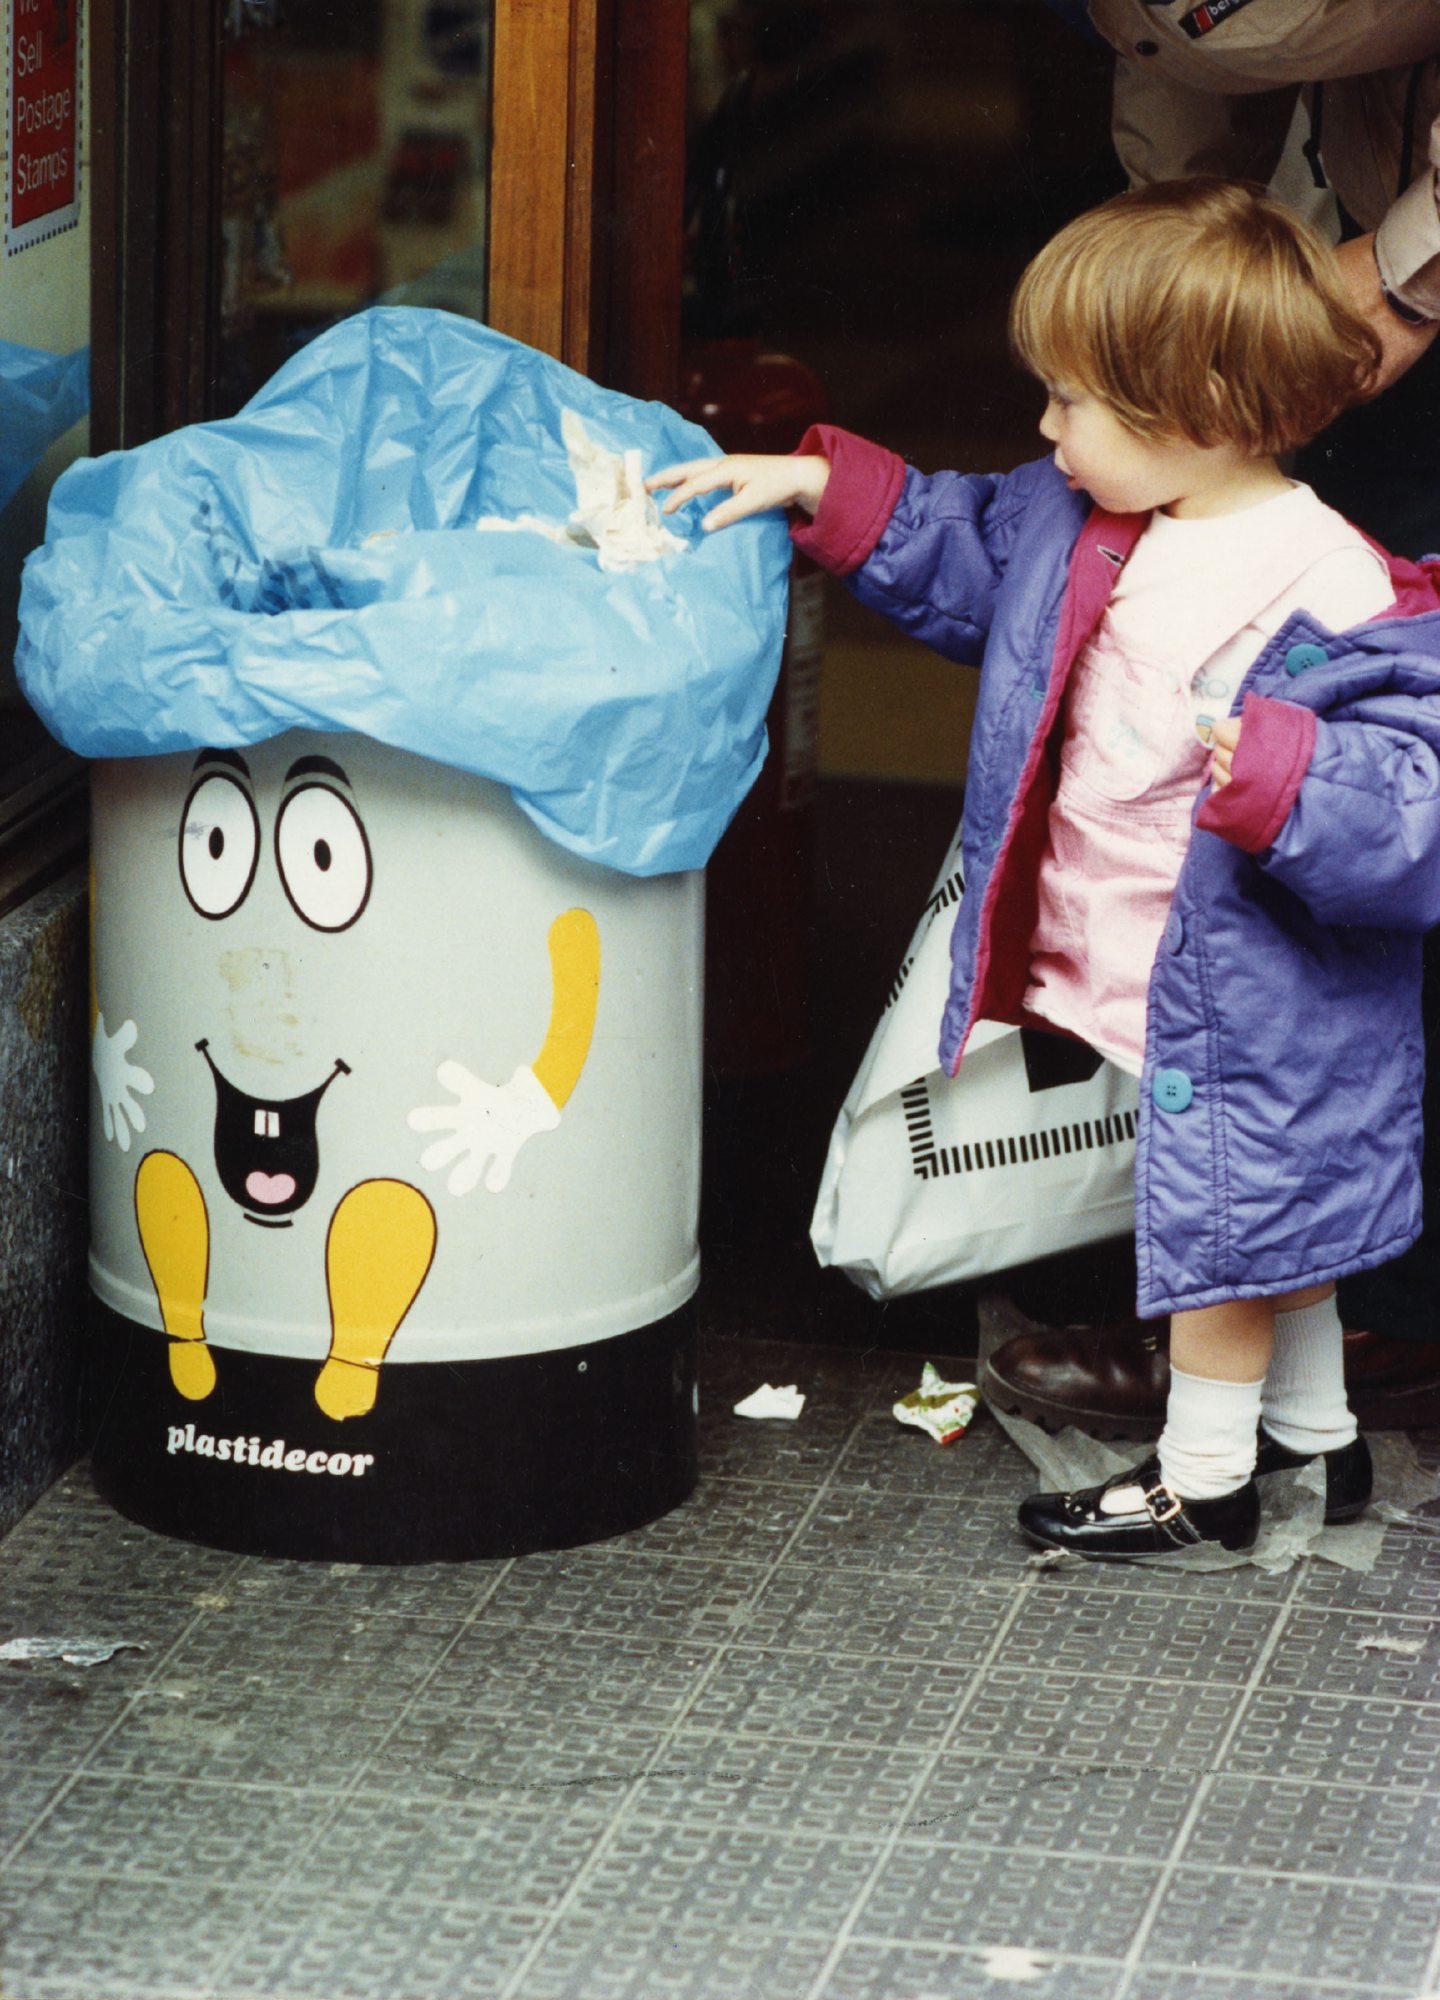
768,1401
1292,1525
74,1652
1382,1642
941,1409
1015,1962
613,514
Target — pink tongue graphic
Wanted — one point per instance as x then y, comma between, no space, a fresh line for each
269,1189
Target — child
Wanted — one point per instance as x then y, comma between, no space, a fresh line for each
1202,830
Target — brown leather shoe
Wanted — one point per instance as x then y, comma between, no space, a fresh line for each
1109,1381
1112,1381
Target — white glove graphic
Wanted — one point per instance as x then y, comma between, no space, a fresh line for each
486,1128
119,1079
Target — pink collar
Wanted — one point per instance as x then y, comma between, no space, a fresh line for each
1099,555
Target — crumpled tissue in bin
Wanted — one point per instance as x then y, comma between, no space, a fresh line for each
613,513
300,565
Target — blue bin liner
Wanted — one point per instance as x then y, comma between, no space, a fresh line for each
219,585
41,396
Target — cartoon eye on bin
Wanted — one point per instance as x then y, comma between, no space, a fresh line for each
324,857
219,844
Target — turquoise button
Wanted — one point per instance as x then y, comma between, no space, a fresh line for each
1172,1090
1299,658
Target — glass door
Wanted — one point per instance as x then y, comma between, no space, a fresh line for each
353,171
266,167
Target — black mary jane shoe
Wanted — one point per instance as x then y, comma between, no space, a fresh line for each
1349,1473
1161,1524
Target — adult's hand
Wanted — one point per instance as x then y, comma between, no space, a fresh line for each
1401,344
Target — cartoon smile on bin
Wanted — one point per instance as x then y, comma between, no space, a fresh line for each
268,1150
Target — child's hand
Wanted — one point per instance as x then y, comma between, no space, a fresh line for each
1226,739
757,483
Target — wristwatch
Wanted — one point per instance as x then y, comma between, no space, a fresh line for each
1401,310
1398,306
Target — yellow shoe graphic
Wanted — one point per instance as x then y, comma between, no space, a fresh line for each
377,1256
175,1237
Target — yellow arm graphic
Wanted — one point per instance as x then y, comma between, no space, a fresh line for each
575,979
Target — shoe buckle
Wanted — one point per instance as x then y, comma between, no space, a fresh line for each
1162,1504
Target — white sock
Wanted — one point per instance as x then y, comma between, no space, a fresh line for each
1208,1444
1304,1405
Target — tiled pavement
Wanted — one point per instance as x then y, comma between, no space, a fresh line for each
820,1732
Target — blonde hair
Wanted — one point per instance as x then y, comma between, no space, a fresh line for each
1200,309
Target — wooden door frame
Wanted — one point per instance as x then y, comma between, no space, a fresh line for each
155,143
548,145
587,184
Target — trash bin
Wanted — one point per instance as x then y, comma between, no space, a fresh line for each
398,922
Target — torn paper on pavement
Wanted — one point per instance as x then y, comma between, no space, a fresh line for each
74,1652
768,1401
613,513
1015,1962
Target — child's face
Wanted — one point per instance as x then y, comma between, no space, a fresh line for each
1121,472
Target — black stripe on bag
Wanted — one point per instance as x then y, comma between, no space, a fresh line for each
945,898
947,895
915,1105
931,1162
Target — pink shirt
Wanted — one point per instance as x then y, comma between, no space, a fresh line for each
1191,611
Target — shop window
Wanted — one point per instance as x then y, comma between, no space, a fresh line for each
44,387
353,170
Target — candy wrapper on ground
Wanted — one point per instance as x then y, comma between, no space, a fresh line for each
312,563
941,1409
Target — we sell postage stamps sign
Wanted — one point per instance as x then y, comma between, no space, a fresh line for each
44,120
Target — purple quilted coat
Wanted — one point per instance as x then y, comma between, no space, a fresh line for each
1280,1130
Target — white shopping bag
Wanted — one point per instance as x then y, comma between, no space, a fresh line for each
929,1178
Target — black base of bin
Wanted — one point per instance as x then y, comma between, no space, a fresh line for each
458,1460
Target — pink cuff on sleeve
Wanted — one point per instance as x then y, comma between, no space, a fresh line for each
1277,741
864,484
